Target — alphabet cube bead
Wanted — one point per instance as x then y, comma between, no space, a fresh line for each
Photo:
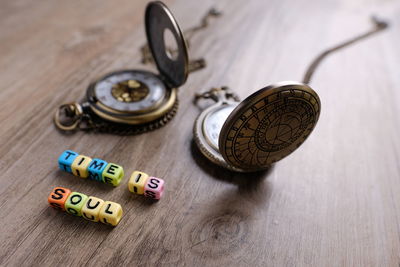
154,188
137,182
113,174
80,166
66,159
75,202
96,169
110,213
58,197
91,209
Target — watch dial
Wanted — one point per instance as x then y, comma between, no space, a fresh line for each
131,91
213,124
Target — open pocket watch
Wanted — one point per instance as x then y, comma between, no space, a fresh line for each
135,101
265,127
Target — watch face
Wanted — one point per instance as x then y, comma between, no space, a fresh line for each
213,123
130,91
206,131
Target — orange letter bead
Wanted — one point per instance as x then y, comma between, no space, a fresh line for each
58,197
91,209
80,166
110,213
137,182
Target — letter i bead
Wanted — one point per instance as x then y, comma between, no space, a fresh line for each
80,166
58,197
91,208
140,183
66,159
137,182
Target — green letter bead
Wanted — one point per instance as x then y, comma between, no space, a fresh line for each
75,202
113,174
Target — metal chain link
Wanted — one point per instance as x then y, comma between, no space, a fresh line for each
214,94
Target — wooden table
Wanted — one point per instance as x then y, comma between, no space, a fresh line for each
334,202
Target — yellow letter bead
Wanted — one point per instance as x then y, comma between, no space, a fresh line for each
75,202
80,166
110,213
137,182
91,209
113,174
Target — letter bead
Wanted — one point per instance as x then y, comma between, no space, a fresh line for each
58,196
110,213
75,202
80,166
66,159
113,174
137,182
154,188
96,169
91,209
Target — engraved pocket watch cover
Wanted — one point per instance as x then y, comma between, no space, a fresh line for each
135,101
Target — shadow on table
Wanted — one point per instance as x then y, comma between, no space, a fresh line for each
244,181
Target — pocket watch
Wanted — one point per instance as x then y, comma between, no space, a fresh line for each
135,101
267,126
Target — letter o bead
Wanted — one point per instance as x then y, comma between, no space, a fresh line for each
110,213
154,188
91,209
75,202
58,196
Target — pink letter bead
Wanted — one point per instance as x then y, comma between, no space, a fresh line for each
154,188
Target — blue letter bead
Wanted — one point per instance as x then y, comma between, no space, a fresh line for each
96,169
66,159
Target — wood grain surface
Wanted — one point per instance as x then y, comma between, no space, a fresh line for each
334,202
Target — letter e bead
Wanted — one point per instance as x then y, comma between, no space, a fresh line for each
113,174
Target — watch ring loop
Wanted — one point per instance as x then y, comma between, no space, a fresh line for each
75,112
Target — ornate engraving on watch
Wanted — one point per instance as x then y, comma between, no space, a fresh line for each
265,127
135,101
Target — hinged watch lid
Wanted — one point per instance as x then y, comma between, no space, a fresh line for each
269,125
174,68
